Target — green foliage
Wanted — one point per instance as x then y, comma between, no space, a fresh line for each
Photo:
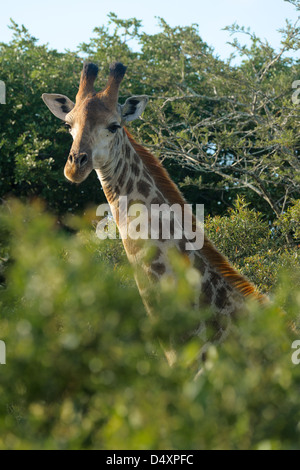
85,371
234,128
33,144
241,234
289,222
257,248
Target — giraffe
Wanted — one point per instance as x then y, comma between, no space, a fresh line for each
102,143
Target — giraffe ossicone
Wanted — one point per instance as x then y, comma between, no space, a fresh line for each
127,170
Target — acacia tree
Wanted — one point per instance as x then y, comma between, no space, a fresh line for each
220,127
236,126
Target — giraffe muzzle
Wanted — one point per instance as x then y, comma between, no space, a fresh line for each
78,160
78,167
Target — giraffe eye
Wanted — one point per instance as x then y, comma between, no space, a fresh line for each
113,128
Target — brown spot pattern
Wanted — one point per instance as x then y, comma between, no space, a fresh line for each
199,264
147,175
129,186
127,152
123,175
118,165
156,200
215,278
207,289
221,298
159,268
136,159
135,169
143,188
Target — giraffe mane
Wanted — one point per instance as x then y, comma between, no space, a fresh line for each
170,190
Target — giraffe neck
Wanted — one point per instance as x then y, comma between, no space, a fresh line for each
141,178
126,175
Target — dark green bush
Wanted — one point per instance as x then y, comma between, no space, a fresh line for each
85,371
257,248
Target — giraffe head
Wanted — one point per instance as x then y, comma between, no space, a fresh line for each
94,120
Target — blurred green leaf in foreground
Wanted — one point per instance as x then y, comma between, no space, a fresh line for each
84,367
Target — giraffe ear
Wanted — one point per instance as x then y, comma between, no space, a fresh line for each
133,107
59,105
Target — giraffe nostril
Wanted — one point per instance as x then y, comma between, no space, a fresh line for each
70,159
83,160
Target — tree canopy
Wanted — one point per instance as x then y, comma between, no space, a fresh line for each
218,126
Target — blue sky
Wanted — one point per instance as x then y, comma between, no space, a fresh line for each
65,24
